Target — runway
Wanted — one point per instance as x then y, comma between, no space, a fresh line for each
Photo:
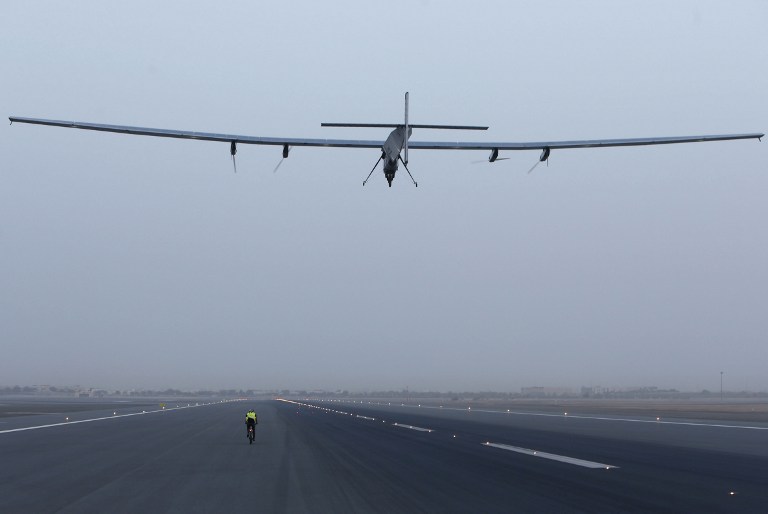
316,456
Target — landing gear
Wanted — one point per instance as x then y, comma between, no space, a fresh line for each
406,169
374,167
390,168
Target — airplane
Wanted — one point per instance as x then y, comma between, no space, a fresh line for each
394,149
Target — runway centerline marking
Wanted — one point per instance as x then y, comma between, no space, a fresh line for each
360,416
22,429
411,427
552,456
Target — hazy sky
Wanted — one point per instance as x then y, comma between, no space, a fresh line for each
143,262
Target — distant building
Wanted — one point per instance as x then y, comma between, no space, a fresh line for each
90,393
545,392
594,391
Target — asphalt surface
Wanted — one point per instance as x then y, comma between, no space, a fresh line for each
353,458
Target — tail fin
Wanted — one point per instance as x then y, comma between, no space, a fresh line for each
407,135
406,126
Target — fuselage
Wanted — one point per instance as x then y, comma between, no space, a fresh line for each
391,151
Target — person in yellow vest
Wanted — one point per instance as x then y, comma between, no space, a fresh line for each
250,419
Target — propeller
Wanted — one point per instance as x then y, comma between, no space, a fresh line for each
488,160
534,167
543,157
493,157
286,149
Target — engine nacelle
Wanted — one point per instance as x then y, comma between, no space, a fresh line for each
544,155
494,155
286,149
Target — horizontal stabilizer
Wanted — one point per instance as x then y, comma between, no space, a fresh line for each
395,125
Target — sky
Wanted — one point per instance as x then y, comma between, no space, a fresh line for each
138,262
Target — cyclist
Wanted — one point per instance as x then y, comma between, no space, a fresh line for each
250,421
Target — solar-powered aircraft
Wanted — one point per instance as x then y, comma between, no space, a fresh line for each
394,149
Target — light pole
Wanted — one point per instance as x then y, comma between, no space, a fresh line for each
721,387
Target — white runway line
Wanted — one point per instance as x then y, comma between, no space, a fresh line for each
100,419
411,427
552,456
599,418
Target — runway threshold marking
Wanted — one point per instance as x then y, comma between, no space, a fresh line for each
22,429
552,456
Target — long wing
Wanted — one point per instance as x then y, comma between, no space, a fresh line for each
204,136
587,143
359,143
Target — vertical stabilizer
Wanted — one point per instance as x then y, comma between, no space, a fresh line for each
406,129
